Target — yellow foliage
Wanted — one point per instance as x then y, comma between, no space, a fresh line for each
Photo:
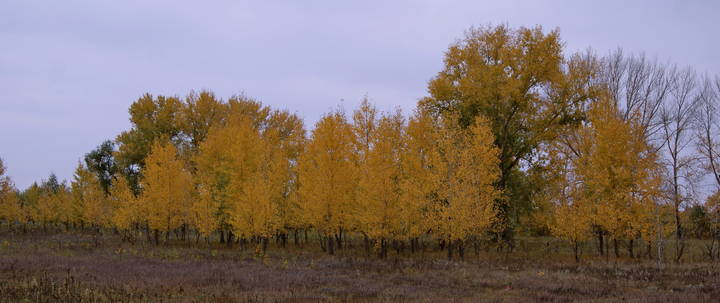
167,188
467,169
619,173
89,201
419,182
378,193
9,204
328,175
126,208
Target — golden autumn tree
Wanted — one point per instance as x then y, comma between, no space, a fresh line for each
619,173
46,209
89,202
167,189
379,183
65,210
286,134
467,171
10,209
252,189
227,147
569,214
328,178
364,126
261,195
225,163
126,207
419,184
528,91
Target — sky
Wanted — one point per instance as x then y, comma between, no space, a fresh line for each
70,69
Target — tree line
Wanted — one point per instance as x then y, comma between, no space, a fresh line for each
514,137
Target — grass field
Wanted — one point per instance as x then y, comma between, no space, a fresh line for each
77,267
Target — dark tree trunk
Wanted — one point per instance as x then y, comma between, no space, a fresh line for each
330,245
461,249
616,249
338,238
229,240
576,250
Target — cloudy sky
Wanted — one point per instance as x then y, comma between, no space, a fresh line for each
70,69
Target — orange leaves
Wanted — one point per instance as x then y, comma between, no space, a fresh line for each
167,188
611,180
328,175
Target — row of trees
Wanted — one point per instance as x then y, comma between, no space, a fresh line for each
514,136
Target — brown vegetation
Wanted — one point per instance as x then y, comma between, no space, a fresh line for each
76,267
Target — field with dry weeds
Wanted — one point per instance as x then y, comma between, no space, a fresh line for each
76,267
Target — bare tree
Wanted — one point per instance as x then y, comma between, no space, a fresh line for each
677,116
707,127
638,86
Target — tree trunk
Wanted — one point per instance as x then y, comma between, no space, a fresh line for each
450,250
338,238
576,248
615,248
265,245
679,236
330,245
461,249
229,240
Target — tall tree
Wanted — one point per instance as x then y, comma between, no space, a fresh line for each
677,116
528,91
287,131
468,170
167,189
328,177
224,164
419,183
379,193
90,204
126,207
619,173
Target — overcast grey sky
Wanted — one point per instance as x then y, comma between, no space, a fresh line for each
70,69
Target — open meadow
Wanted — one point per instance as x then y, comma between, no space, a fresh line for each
81,267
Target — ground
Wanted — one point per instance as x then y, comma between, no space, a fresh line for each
81,267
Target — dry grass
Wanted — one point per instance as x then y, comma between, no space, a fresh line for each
81,268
